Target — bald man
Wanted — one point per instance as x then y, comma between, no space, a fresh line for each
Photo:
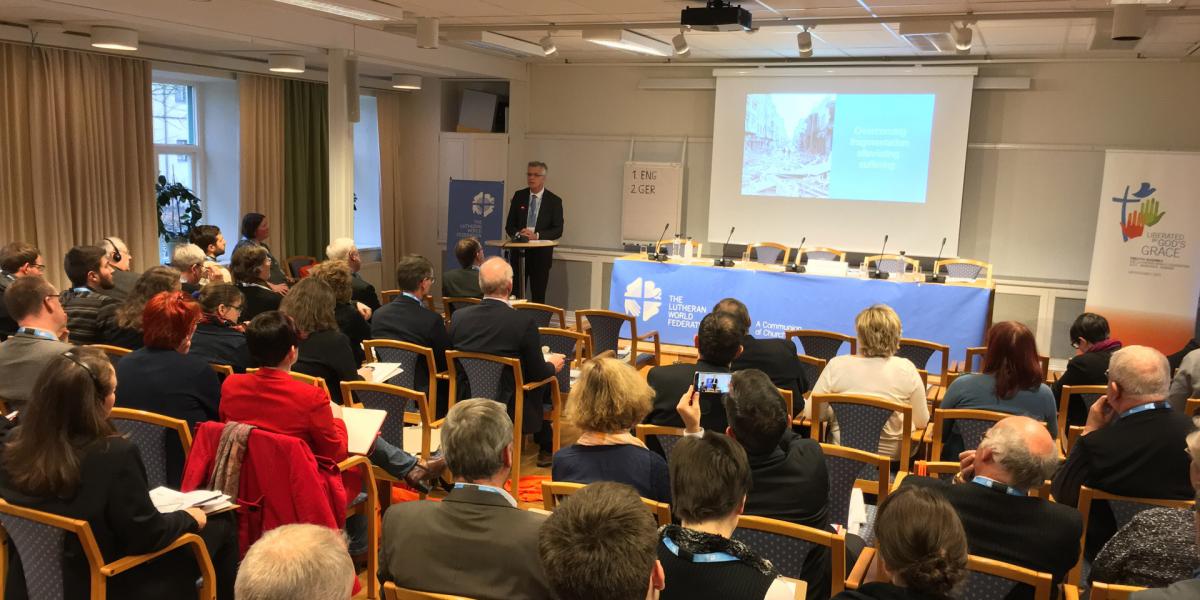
1001,519
494,327
1132,444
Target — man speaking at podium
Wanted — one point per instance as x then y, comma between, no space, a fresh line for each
535,213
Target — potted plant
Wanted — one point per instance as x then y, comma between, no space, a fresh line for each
178,211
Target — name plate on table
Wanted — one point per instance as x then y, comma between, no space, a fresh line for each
832,268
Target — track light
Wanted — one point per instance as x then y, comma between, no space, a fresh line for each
1129,22
804,44
114,38
406,82
427,33
285,63
680,43
548,47
631,41
962,39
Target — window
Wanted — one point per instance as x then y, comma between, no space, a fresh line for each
366,175
177,146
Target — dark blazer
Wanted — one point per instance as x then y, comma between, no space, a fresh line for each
221,344
644,470
407,320
167,382
670,382
1139,455
461,283
328,355
426,544
1033,533
549,217
776,358
8,325
352,323
494,327
123,282
115,335
258,300
1089,368
361,291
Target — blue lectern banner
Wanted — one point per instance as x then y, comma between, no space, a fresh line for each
475,209
672,298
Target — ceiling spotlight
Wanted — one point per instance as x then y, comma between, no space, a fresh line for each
114,38
804,44
962,39
406,82
548,47
623,39
427,33
680,43
285,63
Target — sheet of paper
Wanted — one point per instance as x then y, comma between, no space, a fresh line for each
362,426
168,500
383,371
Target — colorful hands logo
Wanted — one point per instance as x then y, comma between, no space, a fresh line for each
1134,223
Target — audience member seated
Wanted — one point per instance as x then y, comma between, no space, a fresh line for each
1158,546
922,551
876,371
774,356
1015,456
719,341
1184,589
91,277
121,260
463,282
1131,443
17,259
790,479
1093,350
251,266
426,544
494,327
255,231
219,338
65,458
1186,383
361,291
1010,381
325,352
121,324
297,561
188,259
40,335
406,319
350,319
212,242
606,402
710,477
1176,358
600,545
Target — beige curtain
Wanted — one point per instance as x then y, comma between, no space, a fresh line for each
391,209
261,123
76,152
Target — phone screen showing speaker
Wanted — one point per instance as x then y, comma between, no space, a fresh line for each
712,383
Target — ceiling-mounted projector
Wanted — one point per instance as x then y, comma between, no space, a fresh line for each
717,15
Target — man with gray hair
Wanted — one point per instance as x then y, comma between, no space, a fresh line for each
476,542
296,561
991,496
1131,444
188,259
121,261
360,291
535,213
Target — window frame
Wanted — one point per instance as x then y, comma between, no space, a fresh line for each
195,152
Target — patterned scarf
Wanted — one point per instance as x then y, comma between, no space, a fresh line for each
698,542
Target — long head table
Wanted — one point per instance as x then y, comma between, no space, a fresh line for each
672,297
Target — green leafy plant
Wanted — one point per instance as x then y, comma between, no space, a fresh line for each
179,210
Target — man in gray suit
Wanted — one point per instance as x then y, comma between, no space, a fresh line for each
476,542
33,303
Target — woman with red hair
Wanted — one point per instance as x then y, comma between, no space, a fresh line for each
161,378
1011,381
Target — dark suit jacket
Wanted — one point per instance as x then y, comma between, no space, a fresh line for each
167,382
222,345
328,355
494,327
361,291
1022,530
461,283
352,323
407,320
549,217
426,545
776,358
258,300
1089,368
1139,455
8,325
670,382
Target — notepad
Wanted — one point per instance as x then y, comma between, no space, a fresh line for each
168,500
362,426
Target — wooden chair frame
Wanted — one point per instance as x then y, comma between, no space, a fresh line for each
634,337
99,571
980,351
1112,591
552,490
788,401
800,419
448,301
583,346
1064,403
1192,407
836,542
221,370
907,260
424,417
784,248
312,260
644,430
936,347
1088,495
111,351
367,508
986,266
849,339
369,347
519,390
883,464
303,378
553,310
1042,583
179,425
841,254
816,400
941,415
393,592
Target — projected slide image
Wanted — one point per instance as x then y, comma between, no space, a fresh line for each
839,146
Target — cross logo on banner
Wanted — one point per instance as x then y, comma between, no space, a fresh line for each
483,204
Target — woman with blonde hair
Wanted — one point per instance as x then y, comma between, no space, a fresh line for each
608,400
877,371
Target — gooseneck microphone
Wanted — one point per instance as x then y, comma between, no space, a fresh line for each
795,266
654,253
936,277
875,273
723,261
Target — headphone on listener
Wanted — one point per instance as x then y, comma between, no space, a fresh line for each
116,253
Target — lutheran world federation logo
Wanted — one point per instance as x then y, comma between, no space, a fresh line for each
642,298
1135,222
483,204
